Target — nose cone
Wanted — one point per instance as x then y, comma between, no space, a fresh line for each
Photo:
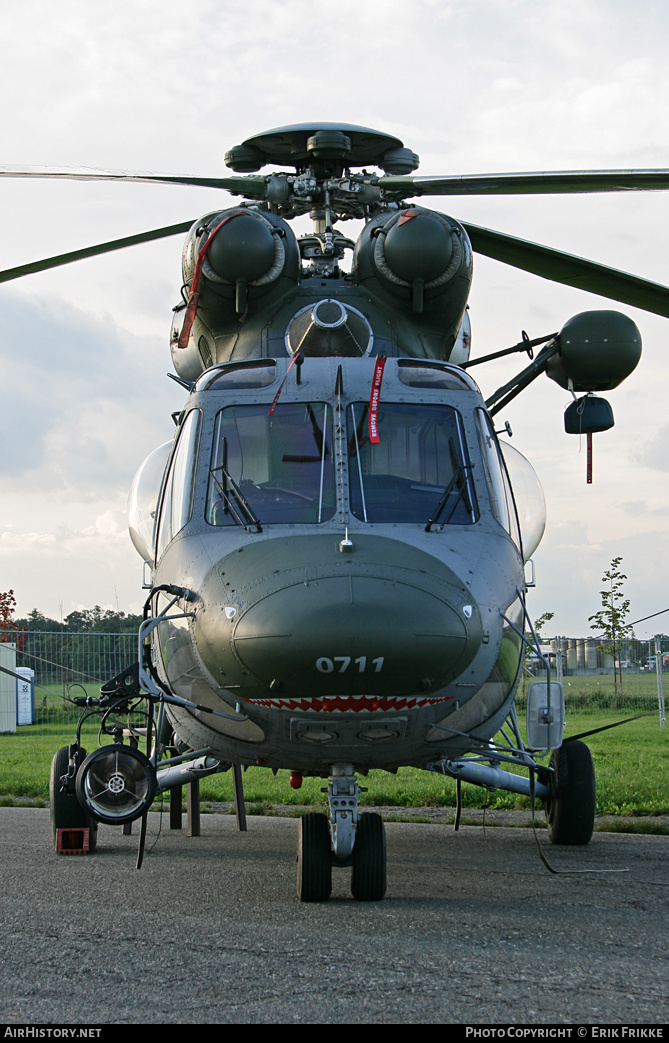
382,620
352,635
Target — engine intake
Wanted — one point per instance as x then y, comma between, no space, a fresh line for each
256,249
417,251
417,265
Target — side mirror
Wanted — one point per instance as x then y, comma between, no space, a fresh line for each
545,715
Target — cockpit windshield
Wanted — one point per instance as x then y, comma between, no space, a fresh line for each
418,471
276,468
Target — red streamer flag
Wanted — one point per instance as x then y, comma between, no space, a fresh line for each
373,423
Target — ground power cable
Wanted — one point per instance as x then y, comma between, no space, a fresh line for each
549,867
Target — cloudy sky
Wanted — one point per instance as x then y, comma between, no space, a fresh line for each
473,87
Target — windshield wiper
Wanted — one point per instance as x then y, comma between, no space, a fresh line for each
235,500
460,476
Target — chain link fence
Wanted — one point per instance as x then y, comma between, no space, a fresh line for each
592,680
73,664
57,666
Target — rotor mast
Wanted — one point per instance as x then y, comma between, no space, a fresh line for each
323,155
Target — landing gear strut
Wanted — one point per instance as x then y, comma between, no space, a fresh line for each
346,839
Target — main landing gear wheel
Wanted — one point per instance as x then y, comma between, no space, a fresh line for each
66,811
570,808
368,880
314,859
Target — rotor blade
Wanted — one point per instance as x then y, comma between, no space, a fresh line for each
92,251
248,186
605,727
556,182
570,270
20,677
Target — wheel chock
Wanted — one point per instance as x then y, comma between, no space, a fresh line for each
72,841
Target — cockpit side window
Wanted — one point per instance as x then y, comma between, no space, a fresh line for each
497,479
419,470
272,469
177,498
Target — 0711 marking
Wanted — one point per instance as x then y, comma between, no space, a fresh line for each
341,663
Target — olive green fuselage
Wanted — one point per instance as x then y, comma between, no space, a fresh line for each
243,318
366,626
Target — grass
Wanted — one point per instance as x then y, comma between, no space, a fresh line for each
631,765
597,692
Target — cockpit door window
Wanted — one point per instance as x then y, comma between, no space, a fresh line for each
497,479
177,499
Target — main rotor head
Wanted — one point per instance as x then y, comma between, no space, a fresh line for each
325,149
324,185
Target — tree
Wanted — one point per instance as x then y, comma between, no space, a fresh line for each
9,628
93,619
609,622
541,622
108,621
7,607
36,620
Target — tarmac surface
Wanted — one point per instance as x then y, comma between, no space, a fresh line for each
474,929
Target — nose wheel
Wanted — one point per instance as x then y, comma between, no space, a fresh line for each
346,839
368,881
314,859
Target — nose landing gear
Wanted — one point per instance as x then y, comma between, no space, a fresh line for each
368,881
346,839
314,859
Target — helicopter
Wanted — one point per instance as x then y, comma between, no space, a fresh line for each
336,542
